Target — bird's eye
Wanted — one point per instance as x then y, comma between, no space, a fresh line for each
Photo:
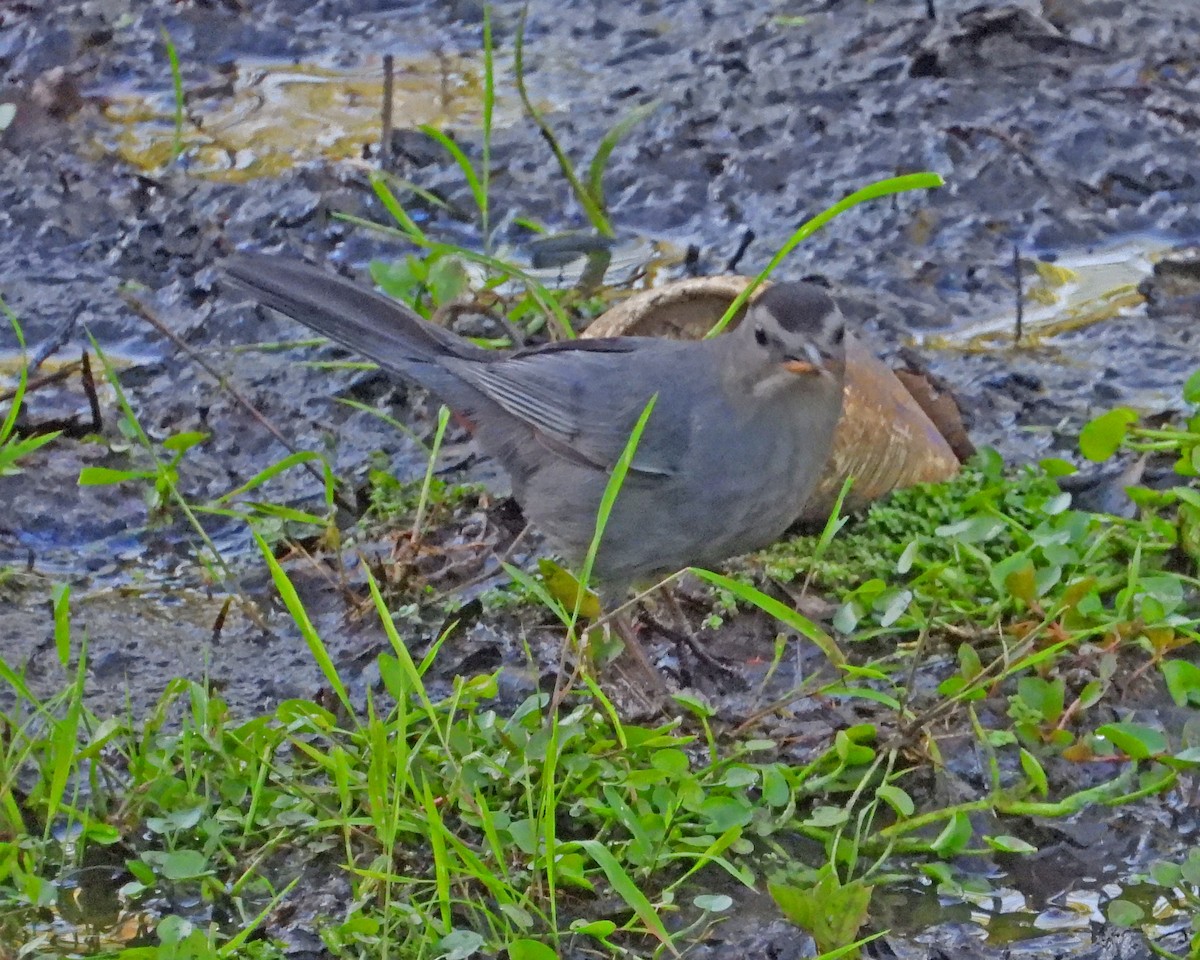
839,335
760,336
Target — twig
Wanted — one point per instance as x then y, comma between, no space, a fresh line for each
389,80
45,381
89,390
1017,280
743,245
147,314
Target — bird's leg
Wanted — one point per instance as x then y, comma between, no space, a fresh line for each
683,636
632,665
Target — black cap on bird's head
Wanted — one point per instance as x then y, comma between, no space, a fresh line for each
800,326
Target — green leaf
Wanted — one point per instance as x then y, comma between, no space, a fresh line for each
185,865
594,928
911,181
1035,773
13,450
1123,913
392,205
954,837
832,912
894,607
775,789
969,664
826,816
530,950
1191,388
1165,589
1135,740
852,754
1015,576
460,944
1091,693
277,468
102,476
447,280
1044,697
179,442
722,813
1100,439
1057,467
671,761
897,799
564,587
1166,874
1007,844
464,165
977,529
1183,681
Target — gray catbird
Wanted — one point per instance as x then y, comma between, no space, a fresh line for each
740,431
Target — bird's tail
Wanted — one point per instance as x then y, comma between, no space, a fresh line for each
367,322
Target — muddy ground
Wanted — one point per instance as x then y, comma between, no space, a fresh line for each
1065,131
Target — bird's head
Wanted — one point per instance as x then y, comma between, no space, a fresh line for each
796,330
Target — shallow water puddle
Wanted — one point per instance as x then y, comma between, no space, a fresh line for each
1068,294
271,116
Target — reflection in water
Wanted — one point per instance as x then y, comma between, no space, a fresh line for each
274,116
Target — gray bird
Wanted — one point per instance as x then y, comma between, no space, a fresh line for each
740,432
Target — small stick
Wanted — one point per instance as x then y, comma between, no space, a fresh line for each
1020,294
219,623
742,247
89,389
389,79
45,351
39,382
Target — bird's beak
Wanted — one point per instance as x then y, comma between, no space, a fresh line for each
814,361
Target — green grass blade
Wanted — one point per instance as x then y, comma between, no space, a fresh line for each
489,110
14,411
873,191
440,854
64,741
781,612
11,453
235,943
595,180
392,205
611,489
303,456
388,419
295,607
628,891
423,501
177,88
592,211
464,164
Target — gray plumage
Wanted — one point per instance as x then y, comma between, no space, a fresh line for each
741,430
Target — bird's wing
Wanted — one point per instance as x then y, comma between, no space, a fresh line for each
583,400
